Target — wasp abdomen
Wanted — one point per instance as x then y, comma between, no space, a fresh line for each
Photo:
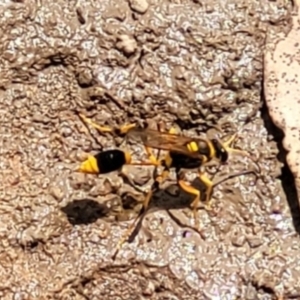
110,160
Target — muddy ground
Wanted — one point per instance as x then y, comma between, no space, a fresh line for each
194,64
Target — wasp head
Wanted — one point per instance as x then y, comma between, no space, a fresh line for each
221,152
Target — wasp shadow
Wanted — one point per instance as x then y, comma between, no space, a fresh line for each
164,200
286,177
84,211
173,197
170,198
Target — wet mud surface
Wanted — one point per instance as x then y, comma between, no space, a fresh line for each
190,64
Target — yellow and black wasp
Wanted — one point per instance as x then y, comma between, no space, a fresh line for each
182,153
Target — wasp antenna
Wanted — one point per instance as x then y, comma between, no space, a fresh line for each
255,163
237,174
247,154
230,149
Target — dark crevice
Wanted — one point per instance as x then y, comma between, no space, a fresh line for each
287,178
30,245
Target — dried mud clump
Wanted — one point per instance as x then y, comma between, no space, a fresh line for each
190,64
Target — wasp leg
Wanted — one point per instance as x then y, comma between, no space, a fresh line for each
132,225
143,210
151,156
191,190
209,188
88,121
153,162
120,131
158,180
172,130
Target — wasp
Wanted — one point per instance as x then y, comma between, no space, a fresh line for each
182,152
112,160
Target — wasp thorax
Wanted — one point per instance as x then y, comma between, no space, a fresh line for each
203,148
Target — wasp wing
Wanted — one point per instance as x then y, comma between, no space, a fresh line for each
163,141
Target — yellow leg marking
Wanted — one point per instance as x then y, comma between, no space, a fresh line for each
153,160
172,130
160,178
95,125
121,130
151,157
124,129
191,190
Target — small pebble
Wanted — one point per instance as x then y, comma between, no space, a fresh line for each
81,15
126,44
56,192
238,240
149,289
139,6
103,230
254,242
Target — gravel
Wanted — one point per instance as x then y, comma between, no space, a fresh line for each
194,64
